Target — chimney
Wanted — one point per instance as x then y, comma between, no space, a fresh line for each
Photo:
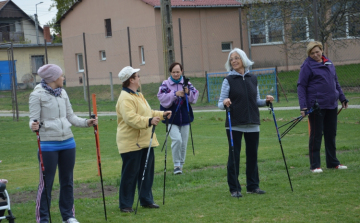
47,35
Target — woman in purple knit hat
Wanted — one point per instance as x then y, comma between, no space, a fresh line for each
49,105
318,82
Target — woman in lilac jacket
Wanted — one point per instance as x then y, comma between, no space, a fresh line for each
318,82
172,97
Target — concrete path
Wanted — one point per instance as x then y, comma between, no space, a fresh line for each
202,109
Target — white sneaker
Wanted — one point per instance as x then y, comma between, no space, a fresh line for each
317,170
341,167
71,220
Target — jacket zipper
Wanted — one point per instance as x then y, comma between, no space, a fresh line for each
247,98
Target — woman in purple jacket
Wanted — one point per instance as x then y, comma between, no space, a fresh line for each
318,82
172,93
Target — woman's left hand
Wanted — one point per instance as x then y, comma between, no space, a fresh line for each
186,90
269,98
92,122
344,104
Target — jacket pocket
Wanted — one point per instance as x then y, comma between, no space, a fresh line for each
46,101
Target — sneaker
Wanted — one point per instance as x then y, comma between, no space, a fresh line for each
341,167
177,170
71,220
256,191
236,194
317,170
126,210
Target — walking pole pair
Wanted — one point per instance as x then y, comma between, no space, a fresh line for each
186,84
233,152
282,151
295,121
43,169
146,162
167,124
97,141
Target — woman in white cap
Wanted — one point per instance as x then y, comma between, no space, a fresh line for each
49,105
134,123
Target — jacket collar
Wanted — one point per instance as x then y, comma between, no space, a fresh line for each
128,90
173,83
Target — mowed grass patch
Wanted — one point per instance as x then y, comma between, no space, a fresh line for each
201,194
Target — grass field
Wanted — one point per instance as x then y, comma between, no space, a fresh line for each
201,193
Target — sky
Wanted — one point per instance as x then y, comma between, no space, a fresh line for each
44,15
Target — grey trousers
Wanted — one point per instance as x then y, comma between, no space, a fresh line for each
179,138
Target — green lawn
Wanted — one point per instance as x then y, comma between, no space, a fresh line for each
201,193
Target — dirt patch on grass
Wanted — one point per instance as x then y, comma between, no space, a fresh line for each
80,191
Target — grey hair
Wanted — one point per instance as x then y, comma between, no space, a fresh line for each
245,60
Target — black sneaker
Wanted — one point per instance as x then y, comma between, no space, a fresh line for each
256,191
177,170
236,194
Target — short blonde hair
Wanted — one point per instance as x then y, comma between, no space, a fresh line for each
312,45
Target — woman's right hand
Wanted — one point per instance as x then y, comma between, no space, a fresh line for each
155,120
180,93
227,102
35,126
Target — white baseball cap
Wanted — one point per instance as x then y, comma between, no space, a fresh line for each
126,73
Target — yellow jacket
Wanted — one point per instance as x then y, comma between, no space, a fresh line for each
133,114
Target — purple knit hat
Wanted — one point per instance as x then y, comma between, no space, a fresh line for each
50,72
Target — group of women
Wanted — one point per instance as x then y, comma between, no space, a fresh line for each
50,106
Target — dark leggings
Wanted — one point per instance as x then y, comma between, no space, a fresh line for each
65,161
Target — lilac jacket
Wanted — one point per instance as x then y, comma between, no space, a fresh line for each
168,89
318,82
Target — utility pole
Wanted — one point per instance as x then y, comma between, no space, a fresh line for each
167,35
37,29
37,24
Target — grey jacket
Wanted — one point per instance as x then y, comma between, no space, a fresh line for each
54,113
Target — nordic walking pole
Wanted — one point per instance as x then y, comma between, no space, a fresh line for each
233,152
167,124
96,132
346,101
187,105
146,162
43,169
277,130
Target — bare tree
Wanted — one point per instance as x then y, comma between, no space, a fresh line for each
296,22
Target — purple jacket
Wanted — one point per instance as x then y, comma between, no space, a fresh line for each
168,89
318,82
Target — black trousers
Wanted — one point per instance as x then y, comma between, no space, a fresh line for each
131,174
252,173
323,122
65,161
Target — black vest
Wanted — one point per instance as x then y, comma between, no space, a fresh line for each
243,92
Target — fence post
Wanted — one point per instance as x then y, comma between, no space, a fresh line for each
111,87
129,45
87,75
84,85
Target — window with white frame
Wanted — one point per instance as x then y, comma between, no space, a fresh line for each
102,55
348,23
142,54
226,46
80,63
266,27
301,28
